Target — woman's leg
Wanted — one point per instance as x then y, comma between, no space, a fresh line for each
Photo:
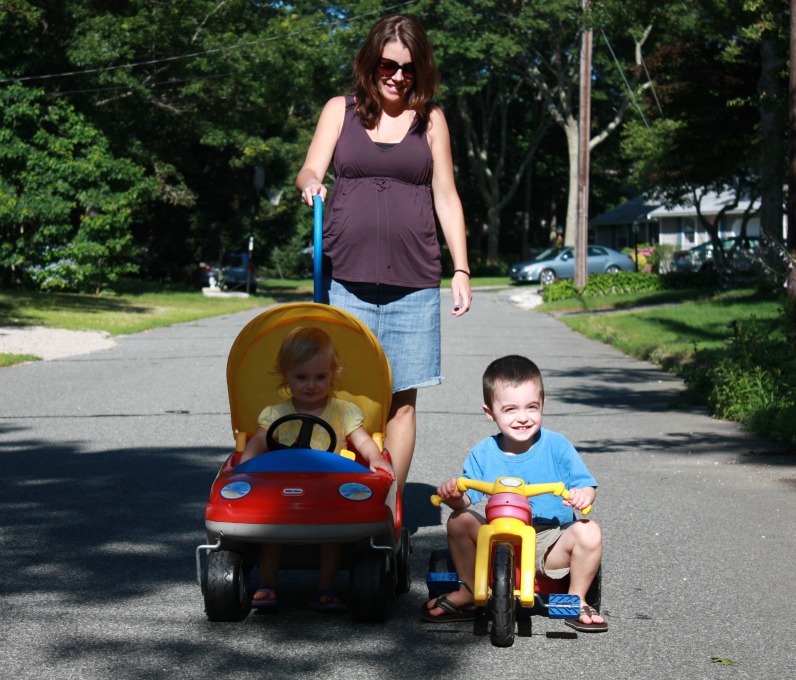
401,431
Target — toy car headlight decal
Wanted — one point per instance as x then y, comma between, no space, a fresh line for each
511,481
354,491
235,490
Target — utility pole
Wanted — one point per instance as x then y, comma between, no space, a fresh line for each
584,136
791,243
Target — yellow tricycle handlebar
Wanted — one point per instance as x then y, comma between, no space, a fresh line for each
510,485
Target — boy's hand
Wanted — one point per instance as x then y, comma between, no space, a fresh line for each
581,498
455,499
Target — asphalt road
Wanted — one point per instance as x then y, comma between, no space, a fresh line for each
106,460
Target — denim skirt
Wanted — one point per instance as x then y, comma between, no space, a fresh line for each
405,321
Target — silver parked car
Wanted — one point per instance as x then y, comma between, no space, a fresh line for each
740,252
559,263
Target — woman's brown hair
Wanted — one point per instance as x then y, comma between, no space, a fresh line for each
407,31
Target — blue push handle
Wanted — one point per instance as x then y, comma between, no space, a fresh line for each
317,242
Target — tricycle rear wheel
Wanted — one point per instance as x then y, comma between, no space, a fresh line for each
225,586
503,612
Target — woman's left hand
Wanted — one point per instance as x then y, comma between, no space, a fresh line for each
462,295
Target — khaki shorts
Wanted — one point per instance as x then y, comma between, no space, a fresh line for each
546,536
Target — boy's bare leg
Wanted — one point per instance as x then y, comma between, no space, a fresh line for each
463,529
399,439
581,549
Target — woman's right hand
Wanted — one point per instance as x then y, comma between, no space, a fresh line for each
312,189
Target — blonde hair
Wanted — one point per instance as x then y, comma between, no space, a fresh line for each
301,345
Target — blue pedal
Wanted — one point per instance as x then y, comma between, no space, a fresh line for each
442,580
563,606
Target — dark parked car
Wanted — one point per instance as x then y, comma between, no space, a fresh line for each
740,252
235,270
559,263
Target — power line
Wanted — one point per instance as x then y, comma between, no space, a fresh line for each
192,55
624,78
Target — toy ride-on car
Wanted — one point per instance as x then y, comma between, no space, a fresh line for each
506,585
300,497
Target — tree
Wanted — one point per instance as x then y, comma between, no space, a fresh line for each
715,116
699,134
66,202
196,92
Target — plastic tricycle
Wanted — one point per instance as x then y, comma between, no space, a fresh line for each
297,496
505,560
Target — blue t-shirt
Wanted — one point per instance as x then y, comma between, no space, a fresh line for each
551,459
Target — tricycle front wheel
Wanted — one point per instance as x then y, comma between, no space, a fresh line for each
503,612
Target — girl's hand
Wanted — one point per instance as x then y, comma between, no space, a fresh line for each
382,464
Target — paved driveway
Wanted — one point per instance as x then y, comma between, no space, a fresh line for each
107,459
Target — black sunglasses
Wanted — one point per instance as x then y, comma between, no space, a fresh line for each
388,68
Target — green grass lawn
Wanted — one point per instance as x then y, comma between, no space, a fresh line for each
668,331
136,307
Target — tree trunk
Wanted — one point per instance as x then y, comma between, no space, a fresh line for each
791,245
772,137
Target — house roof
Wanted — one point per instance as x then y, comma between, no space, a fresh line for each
711,204
634,210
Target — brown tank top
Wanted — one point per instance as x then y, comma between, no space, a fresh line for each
379,220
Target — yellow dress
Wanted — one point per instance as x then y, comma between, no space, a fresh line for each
343,416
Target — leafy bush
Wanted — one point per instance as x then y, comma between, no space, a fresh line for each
754,381
560,290
661,257
600,285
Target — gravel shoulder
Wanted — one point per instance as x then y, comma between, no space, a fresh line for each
52,343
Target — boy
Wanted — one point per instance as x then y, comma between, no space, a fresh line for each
513,399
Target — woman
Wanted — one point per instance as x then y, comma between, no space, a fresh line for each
393,167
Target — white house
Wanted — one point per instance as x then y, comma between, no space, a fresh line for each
680,226
644,220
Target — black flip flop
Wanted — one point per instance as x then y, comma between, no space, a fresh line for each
451,612
581,627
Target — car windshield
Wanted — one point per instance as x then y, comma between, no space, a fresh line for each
548,254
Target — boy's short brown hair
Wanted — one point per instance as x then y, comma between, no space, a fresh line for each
510,370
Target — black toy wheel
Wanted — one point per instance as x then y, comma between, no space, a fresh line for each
403,581
304,438
503,614
225,586
371,586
